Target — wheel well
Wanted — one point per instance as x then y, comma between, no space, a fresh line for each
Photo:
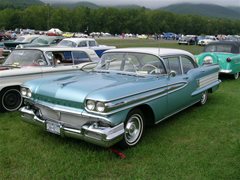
148,114
10,87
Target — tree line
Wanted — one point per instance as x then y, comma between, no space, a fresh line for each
114,21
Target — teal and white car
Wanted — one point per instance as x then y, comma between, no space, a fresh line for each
128,89
224,53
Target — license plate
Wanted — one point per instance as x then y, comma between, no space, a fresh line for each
53,127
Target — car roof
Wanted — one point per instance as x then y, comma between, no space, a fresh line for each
235,43
77,40
57,49
154,51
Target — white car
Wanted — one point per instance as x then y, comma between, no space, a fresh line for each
31,63
207,40
85,42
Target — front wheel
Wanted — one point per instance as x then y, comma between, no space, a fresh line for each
236,75
203,98
134,126
10,100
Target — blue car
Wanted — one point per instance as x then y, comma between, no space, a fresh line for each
113,102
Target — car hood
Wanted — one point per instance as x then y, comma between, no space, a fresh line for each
72,90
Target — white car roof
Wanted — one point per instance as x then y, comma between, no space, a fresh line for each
58,49
77,40
155,51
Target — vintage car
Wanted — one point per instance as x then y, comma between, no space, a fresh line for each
25,39
30,63
207,40
42,41
11,44
224,53
187,40
85,42
128,89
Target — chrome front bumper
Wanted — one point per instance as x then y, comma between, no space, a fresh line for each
90,132
225,71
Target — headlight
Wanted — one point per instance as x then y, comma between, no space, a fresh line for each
100,106
19,46
29,93
23,91
90,105
208,60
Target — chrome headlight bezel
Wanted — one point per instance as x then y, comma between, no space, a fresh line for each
95,106
26,92
90,104
29,93
23,92
100,106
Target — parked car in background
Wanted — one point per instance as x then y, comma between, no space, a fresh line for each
224,53
141,36
85,42
11,44
20,40
30,63
169,35
207,40
43,41
187,40
113,103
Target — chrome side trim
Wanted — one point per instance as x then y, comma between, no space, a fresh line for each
175,112
207,80
141,99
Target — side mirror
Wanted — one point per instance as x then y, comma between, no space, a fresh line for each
172,73
88,66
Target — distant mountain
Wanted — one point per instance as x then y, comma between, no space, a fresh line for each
74,5
209,10
18,3
92,5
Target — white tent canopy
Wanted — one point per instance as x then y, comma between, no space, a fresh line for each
55,30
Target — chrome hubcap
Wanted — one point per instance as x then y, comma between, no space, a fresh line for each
133,128
204,98
236,75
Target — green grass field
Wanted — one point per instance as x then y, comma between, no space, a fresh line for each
201,142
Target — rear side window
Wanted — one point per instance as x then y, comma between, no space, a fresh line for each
173,64
187,64
80,56
82,44
92,43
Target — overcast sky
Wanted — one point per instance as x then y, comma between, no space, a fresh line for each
152,3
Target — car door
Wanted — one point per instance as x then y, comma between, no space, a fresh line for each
65,64
181,86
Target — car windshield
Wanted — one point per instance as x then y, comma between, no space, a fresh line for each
67,43
25,38
40,40
25,58
138,63
219,48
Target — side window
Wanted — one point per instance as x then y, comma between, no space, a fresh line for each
173,64
79,57
92,43
82,44
187,64
152,63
